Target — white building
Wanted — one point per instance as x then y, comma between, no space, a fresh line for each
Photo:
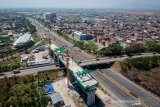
81,36
23,39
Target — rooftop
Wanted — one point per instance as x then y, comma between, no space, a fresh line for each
79,33
23,39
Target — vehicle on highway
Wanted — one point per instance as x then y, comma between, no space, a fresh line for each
35,51
79,61
16,71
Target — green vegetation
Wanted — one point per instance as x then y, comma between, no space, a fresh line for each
146,63
21,25
66,37
113,49
10,65
116,49
150,46
35,37
24,95
153,46
89,46
144,71
27,91
136,48
31,28
5,39
25,46
23,22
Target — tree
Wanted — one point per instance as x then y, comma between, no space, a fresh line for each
80,44
153,46
91,47
114,49
59,32
135,48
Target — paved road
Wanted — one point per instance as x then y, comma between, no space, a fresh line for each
109,59
61,42
146,96
117,93
31,71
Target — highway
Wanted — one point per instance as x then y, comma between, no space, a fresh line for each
144,95
31,70
104,60
153,101
60,42
117,93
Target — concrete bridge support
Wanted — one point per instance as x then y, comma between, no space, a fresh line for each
55,58
91,98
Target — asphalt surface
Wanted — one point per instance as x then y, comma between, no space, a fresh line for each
104,60
60,42
144,95
31,70
119,94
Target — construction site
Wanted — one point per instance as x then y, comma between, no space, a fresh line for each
76,75
79,88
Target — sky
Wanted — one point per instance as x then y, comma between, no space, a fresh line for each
131,4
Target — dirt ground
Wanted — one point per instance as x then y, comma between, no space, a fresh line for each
70,97
61,87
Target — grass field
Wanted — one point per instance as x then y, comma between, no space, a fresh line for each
10,65
5,39
36,37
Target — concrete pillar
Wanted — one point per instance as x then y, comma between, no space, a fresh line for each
91,98
72,78
55,58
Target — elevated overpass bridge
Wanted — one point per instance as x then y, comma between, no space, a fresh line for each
78,75
108,60
98,61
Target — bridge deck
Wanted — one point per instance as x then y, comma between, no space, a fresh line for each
86,81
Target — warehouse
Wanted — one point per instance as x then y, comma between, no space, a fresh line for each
23,39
